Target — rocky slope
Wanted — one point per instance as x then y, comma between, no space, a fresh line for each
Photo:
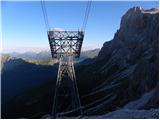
126,67
128,114
19,76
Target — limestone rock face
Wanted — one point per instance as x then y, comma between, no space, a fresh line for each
127,66
136,43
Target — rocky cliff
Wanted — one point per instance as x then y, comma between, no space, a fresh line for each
135,47
127,66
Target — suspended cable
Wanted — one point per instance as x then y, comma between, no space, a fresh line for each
86,15
45,14
87,11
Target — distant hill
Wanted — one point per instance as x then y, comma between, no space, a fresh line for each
22,73
19,76
44,57
4,58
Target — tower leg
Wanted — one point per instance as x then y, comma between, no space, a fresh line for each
66,98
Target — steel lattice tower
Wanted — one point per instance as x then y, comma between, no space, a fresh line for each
65,46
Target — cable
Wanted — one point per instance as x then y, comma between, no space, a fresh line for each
45,14
86,15
87,11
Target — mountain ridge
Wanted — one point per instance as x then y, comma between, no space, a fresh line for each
126,62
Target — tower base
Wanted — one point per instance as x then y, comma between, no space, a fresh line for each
66,99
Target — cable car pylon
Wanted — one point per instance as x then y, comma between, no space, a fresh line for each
65,46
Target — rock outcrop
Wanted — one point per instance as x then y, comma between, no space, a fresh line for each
136,44
127,66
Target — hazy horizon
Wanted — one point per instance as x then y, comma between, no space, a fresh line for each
32,49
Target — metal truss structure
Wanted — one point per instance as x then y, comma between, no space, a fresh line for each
65,46
65,43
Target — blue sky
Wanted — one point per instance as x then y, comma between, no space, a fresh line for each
23,24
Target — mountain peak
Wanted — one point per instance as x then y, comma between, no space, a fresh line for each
136,24
138,9
137,19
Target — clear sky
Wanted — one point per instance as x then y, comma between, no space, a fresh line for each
23,24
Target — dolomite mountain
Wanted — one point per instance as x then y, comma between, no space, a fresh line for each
127,67
134,49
